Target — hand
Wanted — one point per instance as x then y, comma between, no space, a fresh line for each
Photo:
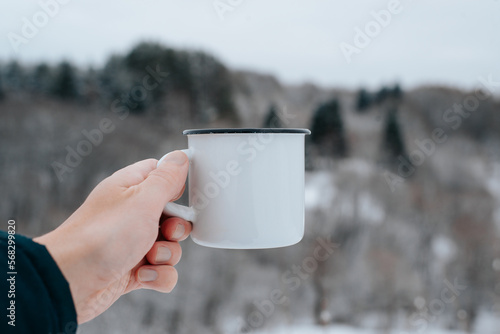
111,245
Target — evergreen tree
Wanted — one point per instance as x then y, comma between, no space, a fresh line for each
219,91
212,86
364,100
272,119
382,94
175,63
393,140
327,130
14,76
2,91
139,102
397,92
41,80
90,85
201,78
65,85
112,78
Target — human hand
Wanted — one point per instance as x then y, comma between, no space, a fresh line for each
111,245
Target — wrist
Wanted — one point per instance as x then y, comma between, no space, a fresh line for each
72,258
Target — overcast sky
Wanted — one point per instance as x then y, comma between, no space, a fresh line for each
441,42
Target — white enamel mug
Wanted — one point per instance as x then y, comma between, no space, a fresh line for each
246,187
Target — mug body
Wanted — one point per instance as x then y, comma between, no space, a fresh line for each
247,187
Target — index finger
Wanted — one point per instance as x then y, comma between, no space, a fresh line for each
175,229
134,174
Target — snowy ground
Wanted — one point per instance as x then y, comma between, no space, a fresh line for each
487,323
347,330
352,330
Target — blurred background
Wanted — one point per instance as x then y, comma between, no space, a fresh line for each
402,167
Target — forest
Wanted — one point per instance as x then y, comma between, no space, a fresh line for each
404,182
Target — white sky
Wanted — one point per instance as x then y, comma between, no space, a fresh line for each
442,42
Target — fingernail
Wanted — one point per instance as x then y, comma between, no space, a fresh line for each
179,231
175,157
147,275
163,254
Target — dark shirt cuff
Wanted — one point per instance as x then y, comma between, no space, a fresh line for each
43,301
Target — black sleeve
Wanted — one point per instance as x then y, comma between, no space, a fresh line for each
35,295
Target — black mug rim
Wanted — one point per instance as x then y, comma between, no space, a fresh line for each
245,130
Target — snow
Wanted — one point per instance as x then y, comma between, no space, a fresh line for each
492,181
496,265
319,190
370,210
341,329
487,323
492,184
360,167
443,248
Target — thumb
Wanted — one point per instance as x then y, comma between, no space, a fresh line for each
166,182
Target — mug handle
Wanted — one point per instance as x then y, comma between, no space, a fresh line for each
177,210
